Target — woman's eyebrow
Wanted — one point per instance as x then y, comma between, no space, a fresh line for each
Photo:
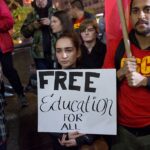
64,47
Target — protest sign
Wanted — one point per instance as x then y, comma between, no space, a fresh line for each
81,100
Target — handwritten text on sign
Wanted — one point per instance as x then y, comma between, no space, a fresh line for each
83,100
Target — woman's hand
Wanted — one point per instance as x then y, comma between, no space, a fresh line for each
74,135
70,139
68,143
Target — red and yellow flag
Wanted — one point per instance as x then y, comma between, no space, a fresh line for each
112,18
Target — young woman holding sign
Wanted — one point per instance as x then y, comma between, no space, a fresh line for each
68,54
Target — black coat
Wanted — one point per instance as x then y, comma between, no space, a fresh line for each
94,59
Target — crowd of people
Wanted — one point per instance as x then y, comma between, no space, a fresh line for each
69,39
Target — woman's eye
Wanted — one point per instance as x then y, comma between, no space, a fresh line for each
68,50
58,50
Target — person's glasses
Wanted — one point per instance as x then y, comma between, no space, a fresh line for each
88,30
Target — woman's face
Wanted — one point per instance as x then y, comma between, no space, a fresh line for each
56,25
66,53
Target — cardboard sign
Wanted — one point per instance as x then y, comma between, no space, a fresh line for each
81,100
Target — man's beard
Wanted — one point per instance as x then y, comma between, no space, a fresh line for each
143,33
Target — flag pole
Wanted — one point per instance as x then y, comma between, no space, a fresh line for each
124,29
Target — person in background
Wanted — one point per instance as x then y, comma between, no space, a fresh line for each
36,25
60,23
133,76
6,49
78,13
93,50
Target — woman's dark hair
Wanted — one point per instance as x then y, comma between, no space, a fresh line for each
65,20
73,36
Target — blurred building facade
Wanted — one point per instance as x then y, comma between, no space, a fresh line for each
94,6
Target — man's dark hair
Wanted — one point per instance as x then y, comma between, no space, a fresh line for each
78,4
131,6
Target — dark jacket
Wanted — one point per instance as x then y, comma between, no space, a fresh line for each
87,15
94,59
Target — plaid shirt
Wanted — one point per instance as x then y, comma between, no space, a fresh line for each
2,122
